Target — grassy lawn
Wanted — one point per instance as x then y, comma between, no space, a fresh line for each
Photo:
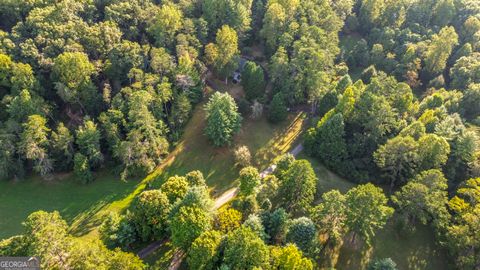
76,203
327,180
409,250
265,141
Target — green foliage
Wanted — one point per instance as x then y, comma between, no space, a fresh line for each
204,252
223,55
461,233
382,264
327,142
13,246
279,72
167,22
197,196
249,181
298,186
188,224
46,234
6,64
88,142
368,74
223,119
245,250
71,72
195,178
278,109
24,105
254,222
302,233
117,230
46,237
283,162
398,158
145,142
243,158
175,188
290,257
150,212
440,49
367,211
81,168
228,219
9,165
253,81
424,199
471,98
34,144
247,205
268,191
330,215
180,112
275,224
433,151
223,12
121,59
62,147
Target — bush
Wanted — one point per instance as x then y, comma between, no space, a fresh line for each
244,107
302,232
118,231
383,264
228,219
243,157
175,188
195,178
249,181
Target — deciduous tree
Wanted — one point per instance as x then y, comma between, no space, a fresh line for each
188,224
367,211
298,186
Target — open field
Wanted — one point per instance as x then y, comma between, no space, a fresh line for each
74,201
409,250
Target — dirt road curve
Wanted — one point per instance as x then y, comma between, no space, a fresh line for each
225,197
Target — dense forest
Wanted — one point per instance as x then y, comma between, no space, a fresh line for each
392,89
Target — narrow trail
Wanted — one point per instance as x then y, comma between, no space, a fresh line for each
227,196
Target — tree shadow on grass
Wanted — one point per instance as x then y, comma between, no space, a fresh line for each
92,217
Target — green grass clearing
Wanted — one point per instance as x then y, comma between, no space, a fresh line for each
416,250
76,203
